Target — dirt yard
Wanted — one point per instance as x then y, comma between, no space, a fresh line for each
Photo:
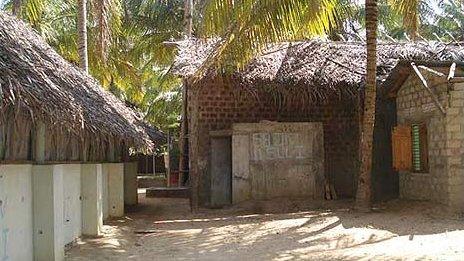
164,229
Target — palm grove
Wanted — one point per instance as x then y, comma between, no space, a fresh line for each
122,42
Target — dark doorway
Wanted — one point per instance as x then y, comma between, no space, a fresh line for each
221,171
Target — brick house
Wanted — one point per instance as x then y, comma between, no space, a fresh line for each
304,82
428,138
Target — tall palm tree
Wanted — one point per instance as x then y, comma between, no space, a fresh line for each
82,34
16,9
364,191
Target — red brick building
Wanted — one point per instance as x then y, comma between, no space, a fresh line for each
310,81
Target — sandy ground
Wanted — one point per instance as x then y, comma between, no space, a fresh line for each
164,229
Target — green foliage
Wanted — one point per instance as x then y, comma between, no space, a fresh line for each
245,27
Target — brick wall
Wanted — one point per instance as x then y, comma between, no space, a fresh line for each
214,105
444,181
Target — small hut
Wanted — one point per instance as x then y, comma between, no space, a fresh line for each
288,124
64,149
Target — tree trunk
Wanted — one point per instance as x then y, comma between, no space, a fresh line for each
184,172
364,191
194,174
16,10
188,18
183,140
82,34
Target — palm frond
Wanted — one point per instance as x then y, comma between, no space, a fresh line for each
246,27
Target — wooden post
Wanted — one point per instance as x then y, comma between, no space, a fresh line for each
452,71
40,142
426,86
188,15
168,160
183,139
154,164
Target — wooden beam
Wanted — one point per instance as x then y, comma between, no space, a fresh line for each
426,86
431,70
40,146
452,71
457,79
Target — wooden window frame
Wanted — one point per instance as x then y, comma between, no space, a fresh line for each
404,155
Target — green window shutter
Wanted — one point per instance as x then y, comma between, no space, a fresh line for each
416,147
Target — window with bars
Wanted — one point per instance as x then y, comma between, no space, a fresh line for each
409,143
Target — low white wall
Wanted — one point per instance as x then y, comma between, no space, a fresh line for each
72,214
41,207
115,189
47,184
57,209
130,183
16,212
92,199
105,211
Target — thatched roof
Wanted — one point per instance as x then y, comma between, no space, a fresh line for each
34,77
318,67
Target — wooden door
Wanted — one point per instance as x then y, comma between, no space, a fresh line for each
221,171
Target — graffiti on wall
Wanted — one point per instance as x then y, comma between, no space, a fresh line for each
271,146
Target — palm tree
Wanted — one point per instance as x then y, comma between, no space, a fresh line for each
364,191
16,9
82,34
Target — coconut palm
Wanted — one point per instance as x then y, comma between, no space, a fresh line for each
82,34
364,190
16,9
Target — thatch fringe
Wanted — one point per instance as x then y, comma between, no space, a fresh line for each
315,70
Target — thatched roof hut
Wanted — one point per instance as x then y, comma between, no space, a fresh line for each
38,85
308,81
319,68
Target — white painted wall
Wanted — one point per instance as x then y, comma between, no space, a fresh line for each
130,183
16,212
115,189
47,186
57,209
92,197
105,211
41,206
72,206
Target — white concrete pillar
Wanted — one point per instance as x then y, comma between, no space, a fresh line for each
72,203
16,212
47,184
115,189
92,199
105,209
130,183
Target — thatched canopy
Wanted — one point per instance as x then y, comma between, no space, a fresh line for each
318,67
35,79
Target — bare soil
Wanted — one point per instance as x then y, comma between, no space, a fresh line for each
165,229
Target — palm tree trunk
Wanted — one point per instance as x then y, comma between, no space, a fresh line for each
184,141
16,10
188,17
364,191
82,34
